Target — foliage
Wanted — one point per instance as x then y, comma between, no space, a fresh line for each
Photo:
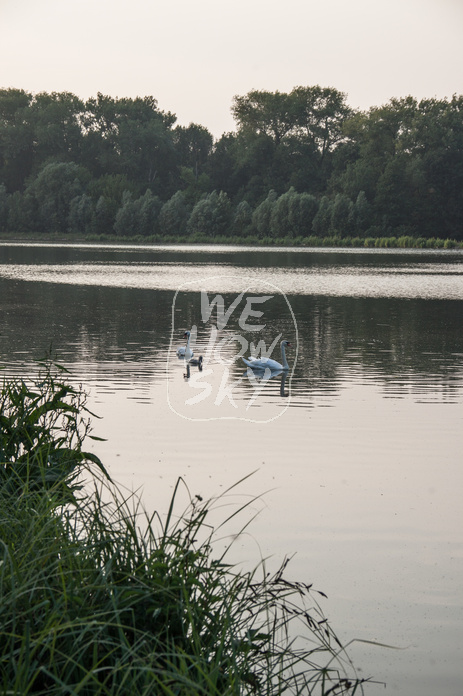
211,215
3,208
174,215
393,170
194,146
242,219
53,191
81,213
137,217
100,598
43,426
262,215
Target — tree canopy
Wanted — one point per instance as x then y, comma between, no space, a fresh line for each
300,163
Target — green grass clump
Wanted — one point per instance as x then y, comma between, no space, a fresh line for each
98,597
42,429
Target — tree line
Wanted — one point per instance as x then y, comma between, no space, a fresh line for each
300,164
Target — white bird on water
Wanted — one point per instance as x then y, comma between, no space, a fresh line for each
185,351
263,363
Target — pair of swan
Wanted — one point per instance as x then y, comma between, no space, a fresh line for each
255,363
268,363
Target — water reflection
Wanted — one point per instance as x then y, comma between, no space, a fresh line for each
367,490
410,274
263,375
408,347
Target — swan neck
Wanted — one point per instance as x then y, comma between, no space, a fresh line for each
283,356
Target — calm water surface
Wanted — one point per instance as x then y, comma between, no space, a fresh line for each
358,454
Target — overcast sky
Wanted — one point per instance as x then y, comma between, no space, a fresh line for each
193,56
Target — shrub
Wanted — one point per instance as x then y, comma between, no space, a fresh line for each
100,598
42,429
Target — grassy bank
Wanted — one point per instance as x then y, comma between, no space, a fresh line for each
100,597
403,242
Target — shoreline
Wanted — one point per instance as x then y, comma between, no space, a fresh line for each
421,243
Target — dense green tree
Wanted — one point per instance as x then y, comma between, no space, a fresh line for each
280,222
104,216
361,219
302,209
23,216
57,126
342,211
321,224
409,163
131,137
393,201
4,201
148,209
262,214
440,132
250,165
16,138
300,130
242,219
100,124
144,143
56,185
174,214
292,214
223,167
112,187
193,187
319,116
108,191
211,216
264,113
126,223
193,146
394,169
81,213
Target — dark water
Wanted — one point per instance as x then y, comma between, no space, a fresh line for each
361,449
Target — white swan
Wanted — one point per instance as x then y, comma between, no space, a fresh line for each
262,363
185,351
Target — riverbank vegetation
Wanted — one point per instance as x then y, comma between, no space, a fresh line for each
301,166
100,597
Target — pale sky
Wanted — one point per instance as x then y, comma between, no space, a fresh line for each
193,56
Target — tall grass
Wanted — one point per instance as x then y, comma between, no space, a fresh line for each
43,425
99,597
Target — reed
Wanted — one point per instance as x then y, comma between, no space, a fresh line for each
100,597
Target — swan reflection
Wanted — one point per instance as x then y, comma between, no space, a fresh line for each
260,375
195,362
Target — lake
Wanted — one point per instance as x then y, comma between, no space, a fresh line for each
356,453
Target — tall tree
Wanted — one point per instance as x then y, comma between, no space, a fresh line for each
193,146
264,113
16,138
211,215
131,137
319,114
57,126
299,131
174,215
53,190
